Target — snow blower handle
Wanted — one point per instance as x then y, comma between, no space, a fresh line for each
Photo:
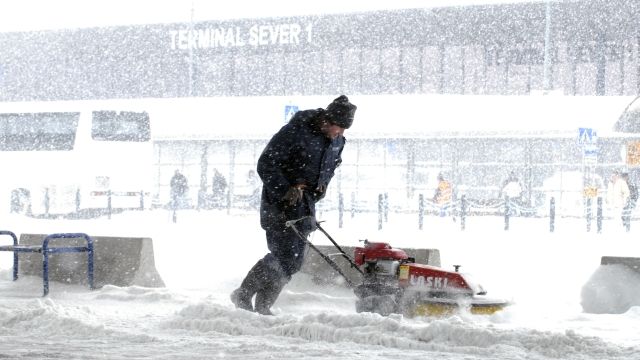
292,223
342,252
334,266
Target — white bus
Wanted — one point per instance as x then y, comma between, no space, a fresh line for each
74,157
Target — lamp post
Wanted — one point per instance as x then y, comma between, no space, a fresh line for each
547,52
191,42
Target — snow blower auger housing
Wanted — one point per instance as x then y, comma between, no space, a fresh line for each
393,283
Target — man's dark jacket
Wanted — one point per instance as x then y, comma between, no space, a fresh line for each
297,154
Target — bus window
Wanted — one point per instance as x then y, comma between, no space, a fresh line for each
47,131
120,126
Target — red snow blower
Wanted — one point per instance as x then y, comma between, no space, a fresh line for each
393,283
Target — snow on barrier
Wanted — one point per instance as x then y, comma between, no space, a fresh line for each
322,273
614,287
120,261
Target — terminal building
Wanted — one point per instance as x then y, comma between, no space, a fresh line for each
572,47
588,51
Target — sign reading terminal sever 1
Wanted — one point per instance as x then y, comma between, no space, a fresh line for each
238,36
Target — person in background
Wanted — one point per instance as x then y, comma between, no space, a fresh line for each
179,187
443,196
630,202
295,167
255,187
219,188
512,190
618,194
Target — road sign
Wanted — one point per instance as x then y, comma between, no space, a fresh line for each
587,136
289,111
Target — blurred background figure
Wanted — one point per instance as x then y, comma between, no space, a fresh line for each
630,201
179,187
618,195
255,189
219,189
512,189
443,196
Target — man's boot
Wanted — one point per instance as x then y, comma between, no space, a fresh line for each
241,297
267,296
274,282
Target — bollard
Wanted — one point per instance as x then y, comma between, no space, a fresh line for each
626,217
380,211
77,201
47,201
463,211
353,204
599,215
420,211
506,213
552,214
386,207
340,209
109,204
588,213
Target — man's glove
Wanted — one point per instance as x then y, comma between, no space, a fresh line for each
320,191
293,195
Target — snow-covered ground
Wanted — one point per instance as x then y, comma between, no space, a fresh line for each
205,255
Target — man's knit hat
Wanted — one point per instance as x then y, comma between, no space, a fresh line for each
340,112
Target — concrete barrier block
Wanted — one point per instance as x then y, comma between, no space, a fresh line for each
322,273
633,263
120,261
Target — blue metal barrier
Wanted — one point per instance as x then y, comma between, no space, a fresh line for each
45,250
15,254
16,249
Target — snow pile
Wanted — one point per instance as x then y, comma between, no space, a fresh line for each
459,335
205,255
612,289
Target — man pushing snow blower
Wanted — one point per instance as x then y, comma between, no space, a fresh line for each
295,168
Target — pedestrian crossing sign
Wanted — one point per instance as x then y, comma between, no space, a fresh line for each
587,136
289,111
